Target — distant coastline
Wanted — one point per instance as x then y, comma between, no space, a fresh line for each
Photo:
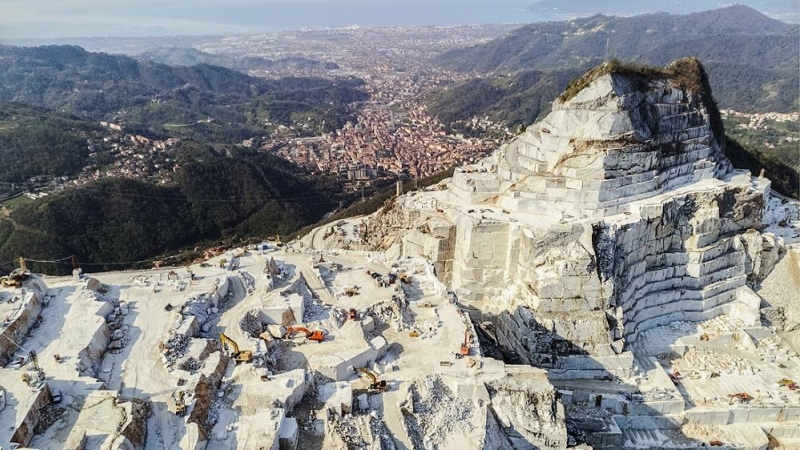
170,20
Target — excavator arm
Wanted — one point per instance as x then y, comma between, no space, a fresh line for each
375,384
369,374
228,342
316,335
236,354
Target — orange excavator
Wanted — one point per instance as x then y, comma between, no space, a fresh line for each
316,335
464,350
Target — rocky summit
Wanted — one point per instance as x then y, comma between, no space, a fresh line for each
580,244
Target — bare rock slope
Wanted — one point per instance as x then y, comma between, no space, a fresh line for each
615,215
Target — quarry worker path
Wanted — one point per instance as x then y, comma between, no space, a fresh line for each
239,305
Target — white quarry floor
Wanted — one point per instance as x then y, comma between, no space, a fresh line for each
74,319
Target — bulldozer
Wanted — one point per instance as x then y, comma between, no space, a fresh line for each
375,385
236,354
316,335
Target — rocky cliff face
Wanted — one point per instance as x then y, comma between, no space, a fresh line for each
615,214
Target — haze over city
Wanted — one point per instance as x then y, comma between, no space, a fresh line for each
89,18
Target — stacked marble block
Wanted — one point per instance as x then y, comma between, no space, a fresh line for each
436,243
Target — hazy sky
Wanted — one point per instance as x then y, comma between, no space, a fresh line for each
117,18
79,18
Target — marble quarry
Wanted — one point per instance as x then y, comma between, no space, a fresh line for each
614,216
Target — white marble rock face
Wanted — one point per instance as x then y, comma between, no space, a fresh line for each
616,213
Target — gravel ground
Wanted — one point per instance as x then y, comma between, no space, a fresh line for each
49,415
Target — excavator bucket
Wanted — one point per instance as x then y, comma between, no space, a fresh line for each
316,335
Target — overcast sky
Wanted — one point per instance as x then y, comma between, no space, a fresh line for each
82,18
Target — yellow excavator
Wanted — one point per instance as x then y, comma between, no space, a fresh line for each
375,384
16,277
237,355
180,403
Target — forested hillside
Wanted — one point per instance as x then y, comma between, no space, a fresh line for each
202,101
188,56
214,198
35,141
752,60
52,100
786,10
516,100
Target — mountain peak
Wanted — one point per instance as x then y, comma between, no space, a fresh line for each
738,19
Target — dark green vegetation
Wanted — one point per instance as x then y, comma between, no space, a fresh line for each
205,102
751,59
35,141
774,147
784,177
188,56
780,139
517,99
215,198
51,102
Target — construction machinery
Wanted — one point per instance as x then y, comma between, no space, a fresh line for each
316,335
180,403
375,385
464,350
11,281
56,396
236,354
17,276
351,291
741,397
